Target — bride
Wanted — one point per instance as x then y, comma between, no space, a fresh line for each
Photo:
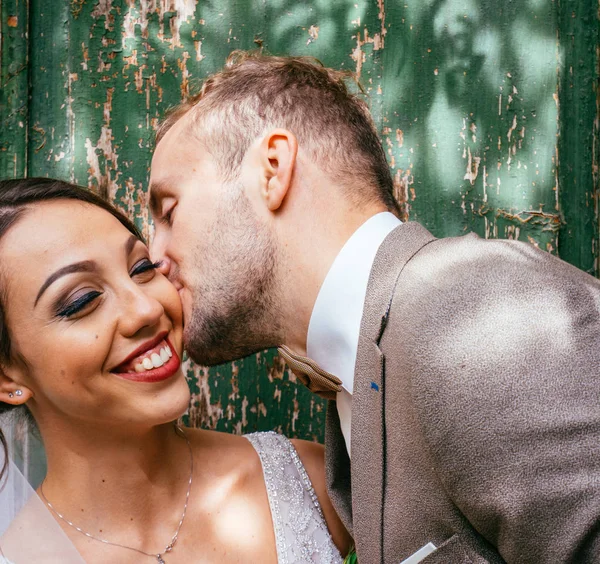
90,347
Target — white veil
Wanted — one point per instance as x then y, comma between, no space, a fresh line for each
29,534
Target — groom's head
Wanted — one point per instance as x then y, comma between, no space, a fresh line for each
255,180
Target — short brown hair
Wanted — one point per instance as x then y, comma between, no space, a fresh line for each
256,92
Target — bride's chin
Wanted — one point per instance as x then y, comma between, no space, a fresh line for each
171,403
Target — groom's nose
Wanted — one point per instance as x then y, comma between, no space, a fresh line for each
165,266
158,250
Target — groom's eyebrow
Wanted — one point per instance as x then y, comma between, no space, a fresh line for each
157,191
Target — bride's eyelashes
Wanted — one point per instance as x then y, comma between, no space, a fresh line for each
79,302
145,266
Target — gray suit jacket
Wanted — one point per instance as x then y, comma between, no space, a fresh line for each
476,406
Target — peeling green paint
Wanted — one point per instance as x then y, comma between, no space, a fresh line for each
488,111
578,141
13,88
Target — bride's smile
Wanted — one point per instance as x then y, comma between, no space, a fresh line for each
151,362
97,331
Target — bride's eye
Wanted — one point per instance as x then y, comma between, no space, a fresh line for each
78,303
145,267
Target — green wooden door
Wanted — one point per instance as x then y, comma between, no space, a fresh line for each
488,110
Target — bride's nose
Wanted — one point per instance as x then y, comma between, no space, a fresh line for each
138,310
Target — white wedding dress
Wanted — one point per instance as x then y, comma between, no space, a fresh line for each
301,534
29,534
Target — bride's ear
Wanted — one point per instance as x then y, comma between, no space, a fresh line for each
12,392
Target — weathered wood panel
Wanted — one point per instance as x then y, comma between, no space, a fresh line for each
578,147
13,88
488,110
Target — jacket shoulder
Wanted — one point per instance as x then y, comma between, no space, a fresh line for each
497,346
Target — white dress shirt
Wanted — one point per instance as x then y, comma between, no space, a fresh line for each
334,327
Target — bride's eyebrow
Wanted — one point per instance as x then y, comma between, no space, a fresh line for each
82,266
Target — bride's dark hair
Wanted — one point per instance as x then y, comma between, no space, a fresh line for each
16,197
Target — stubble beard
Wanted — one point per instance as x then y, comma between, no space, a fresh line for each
234,293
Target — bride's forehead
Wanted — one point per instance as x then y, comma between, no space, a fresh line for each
58,227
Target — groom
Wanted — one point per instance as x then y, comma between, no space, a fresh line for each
464,373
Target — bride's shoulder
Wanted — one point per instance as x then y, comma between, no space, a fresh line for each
239,452
237,456
226,453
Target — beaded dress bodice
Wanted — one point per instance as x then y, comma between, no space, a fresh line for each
301,533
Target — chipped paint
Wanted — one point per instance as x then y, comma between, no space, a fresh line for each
203,412
577,99
472,167
198,50
313,32
14,88
469,109
380,38
104,9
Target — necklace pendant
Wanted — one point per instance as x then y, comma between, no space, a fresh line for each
159,559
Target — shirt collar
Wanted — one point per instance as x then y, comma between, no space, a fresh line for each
334,327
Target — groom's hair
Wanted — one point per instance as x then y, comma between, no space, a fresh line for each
257,92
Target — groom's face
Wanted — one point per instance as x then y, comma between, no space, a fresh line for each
217,253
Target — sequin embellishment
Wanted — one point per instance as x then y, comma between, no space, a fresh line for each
301,533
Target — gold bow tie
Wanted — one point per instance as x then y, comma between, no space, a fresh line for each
311,375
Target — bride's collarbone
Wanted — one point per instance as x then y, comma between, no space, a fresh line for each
237,530
228,518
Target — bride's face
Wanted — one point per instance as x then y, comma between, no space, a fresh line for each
95,329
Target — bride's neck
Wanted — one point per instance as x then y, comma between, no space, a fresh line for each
111,470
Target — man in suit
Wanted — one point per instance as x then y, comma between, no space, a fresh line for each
464,424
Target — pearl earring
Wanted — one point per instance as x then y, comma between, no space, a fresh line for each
18,393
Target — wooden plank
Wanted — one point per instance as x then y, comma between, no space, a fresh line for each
578,146
471,117
13,87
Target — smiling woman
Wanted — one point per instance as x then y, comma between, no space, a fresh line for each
90,347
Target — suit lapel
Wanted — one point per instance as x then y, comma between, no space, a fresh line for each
368,399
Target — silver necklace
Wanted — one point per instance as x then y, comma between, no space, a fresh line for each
170,546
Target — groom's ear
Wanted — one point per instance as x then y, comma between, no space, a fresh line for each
279,149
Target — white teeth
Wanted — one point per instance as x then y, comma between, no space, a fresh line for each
164,355
157,362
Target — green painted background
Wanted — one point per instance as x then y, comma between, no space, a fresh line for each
488,109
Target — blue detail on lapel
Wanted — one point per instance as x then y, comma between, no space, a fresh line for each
374,386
